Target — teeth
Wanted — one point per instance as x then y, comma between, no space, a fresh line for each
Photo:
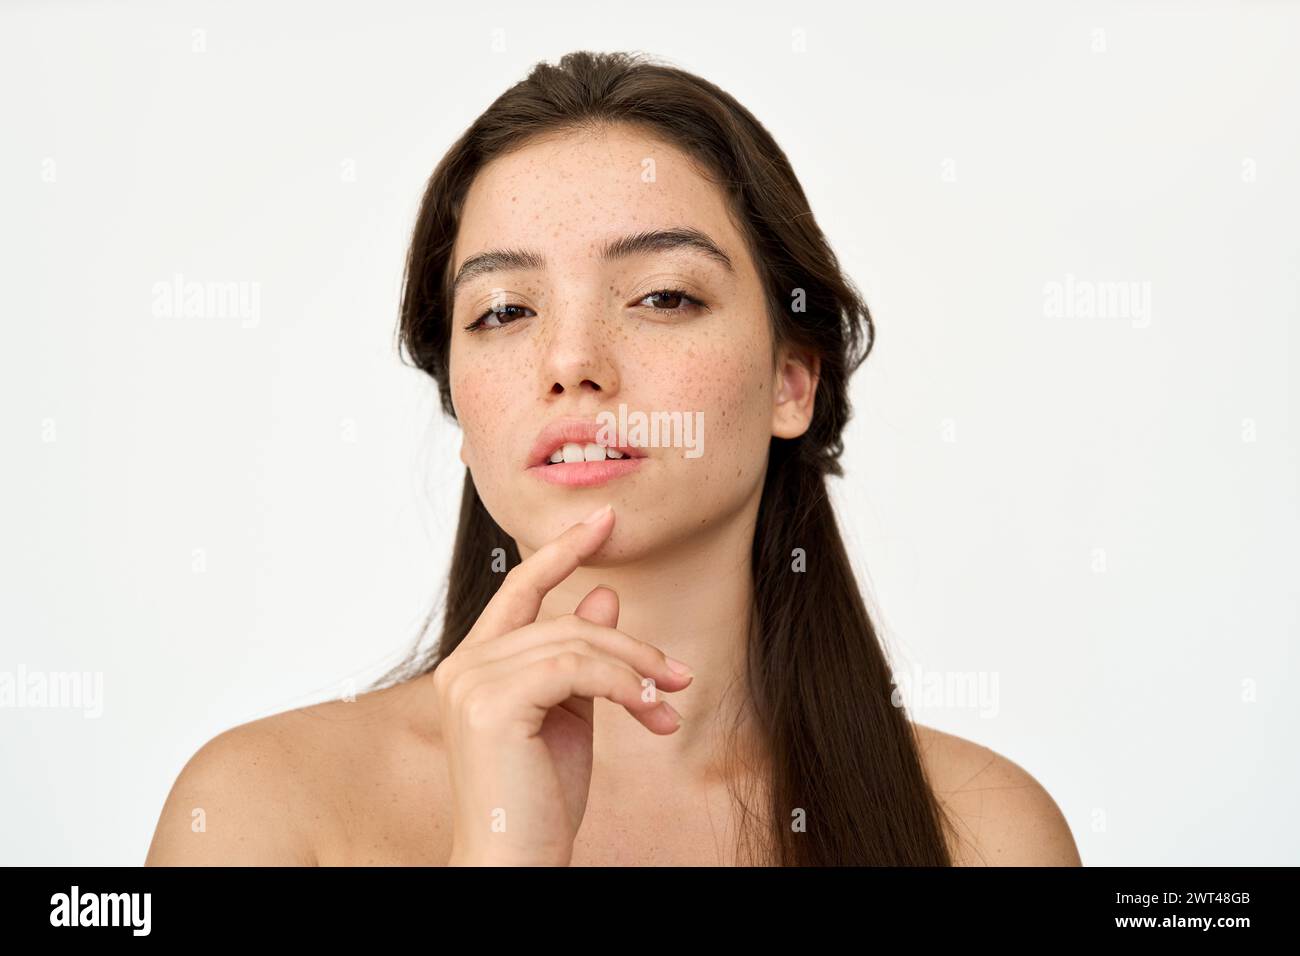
574,452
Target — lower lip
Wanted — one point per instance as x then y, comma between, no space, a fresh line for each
586,474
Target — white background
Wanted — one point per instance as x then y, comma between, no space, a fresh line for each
1099,512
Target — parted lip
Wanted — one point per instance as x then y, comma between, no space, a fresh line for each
580,430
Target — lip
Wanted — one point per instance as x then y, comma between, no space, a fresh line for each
586,474
579,474
580,430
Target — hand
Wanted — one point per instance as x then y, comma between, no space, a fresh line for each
516,700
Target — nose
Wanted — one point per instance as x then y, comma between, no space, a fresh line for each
576,355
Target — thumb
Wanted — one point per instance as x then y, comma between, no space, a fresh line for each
600,606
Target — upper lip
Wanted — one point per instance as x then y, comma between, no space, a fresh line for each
580,430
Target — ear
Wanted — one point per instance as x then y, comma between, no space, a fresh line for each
794,386
462,451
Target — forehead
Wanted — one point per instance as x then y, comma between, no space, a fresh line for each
568,193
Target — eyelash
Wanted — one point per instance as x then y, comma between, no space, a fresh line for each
477,325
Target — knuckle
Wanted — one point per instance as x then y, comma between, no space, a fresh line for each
566,662
455,691
478,710
578,645
443,675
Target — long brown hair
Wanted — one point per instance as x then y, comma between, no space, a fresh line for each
842,759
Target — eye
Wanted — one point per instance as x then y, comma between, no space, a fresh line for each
479,323
683,303
674,295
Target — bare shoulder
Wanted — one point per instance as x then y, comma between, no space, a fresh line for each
265,793
1003,816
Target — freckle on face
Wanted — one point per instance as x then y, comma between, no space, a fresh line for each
570,197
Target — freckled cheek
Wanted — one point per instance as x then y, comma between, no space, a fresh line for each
482,410
729,390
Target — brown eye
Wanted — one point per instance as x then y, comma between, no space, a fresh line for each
480,322
671,301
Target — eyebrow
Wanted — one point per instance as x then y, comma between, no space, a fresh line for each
652,240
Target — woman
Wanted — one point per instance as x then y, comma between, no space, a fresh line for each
613,234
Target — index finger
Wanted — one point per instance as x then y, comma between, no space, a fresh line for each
519,599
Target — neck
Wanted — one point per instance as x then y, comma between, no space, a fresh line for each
694,603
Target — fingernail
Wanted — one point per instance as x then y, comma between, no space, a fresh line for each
669,707
677,667
596,515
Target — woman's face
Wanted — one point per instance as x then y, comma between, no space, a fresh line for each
575,334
